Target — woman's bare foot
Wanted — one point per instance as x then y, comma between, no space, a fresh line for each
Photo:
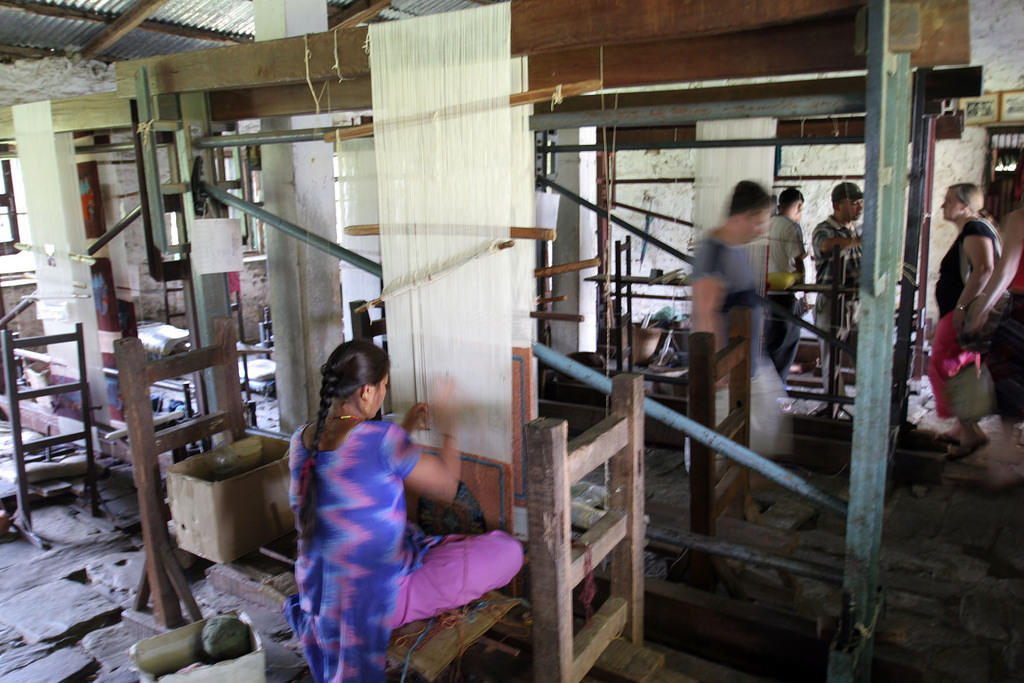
971,439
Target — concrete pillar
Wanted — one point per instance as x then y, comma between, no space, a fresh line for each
588,245
56,225
298,185
357,205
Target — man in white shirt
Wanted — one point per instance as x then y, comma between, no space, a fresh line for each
786,254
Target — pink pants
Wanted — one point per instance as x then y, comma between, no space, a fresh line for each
459,570
946,359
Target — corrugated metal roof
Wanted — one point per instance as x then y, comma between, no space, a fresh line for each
29,30
139,44
229,17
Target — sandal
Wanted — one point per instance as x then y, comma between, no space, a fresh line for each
963,450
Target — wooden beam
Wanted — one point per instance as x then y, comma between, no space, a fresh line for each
20,51
596,445
787,128
78,14
541,234
120,27
600,539
553,94
89,112
567,267
270,62
810,46
540,26
362,16
686,45
352,94
806,47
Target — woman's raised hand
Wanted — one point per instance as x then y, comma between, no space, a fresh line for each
442,405
416,418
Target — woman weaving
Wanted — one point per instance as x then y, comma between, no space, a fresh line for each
362,568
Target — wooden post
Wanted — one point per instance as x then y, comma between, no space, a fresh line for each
626,492
225,377
131,363
550,538
701,407
741,325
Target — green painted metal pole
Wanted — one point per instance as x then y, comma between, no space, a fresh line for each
312,239
887,136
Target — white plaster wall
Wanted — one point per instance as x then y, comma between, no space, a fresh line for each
671,199
34,80
996,30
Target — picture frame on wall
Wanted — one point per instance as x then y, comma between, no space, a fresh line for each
980,110
1011,107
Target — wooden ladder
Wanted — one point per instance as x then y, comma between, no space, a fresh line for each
556,567
162,577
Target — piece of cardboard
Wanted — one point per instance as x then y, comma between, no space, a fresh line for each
158,659
223,520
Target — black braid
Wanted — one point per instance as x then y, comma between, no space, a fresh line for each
350,366
307,511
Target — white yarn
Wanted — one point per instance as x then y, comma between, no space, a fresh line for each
448,171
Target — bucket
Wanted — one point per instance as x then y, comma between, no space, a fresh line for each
645,343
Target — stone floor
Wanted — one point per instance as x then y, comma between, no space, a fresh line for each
952,564
61,609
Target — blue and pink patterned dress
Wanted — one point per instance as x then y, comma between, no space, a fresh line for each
348,574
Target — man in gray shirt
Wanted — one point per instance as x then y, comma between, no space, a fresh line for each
786,254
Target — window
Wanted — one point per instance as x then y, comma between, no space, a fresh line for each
9,216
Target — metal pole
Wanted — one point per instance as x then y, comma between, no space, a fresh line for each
918,203
710,438
314,240
115,230
743,553
263,138
686,258
15,312
708,144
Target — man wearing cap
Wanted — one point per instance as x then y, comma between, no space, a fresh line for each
838,231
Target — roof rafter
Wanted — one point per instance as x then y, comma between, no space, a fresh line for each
120,27
19,51
76,14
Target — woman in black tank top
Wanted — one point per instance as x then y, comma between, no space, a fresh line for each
963,273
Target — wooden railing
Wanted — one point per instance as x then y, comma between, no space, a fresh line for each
711,491
557,563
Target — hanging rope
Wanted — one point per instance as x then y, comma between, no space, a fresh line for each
307,55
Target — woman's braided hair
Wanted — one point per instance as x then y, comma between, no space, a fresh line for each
350,366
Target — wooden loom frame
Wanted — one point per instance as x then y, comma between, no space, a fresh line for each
162,577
